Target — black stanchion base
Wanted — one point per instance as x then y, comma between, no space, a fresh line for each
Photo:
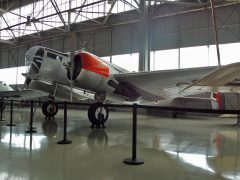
10,125
31,131
131,161
65,142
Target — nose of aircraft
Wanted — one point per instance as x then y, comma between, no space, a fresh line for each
34,58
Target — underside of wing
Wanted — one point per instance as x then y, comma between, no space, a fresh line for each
40,88
64,93
61,92
225,79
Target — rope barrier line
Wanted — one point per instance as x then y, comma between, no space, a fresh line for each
163,108
133,160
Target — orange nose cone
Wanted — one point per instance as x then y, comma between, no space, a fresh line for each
94,64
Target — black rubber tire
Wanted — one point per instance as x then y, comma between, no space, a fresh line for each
46,109
92,114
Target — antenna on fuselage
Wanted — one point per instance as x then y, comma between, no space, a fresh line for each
215,31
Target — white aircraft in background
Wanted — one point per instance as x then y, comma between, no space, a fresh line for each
4,87
55,74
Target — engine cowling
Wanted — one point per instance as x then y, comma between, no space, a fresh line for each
89,72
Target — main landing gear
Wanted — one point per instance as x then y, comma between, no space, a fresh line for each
49,109
98,115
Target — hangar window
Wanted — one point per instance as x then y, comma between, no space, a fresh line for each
14,75
164,59
198,56
106,58
127,61
229,53
194,57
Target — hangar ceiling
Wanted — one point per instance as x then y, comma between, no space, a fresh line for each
24,21
112,27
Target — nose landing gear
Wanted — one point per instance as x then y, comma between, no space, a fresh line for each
98,115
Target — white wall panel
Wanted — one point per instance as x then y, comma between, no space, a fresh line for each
57,44
4,59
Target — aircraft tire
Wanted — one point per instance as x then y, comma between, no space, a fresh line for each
49,109
93,113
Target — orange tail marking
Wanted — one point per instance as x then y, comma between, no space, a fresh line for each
93,64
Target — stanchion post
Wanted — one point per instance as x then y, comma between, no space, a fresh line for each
134,160
65,141
31,129
11,115
2,110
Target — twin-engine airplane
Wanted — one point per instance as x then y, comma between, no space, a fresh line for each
55,74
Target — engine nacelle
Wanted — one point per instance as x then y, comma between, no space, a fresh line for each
89,72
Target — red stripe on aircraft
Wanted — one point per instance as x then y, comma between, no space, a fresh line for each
94,64
219,100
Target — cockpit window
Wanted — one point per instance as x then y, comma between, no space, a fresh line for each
54,56
40,52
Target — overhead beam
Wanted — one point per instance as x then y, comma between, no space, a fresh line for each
79,11
129,4
13,35
137,3
54,14
55,6
109,12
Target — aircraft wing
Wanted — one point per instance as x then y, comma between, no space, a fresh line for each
42,88
159,85
25,94
225,79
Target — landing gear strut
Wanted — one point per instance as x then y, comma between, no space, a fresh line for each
98,115
49,109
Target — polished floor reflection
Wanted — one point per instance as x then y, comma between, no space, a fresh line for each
178,149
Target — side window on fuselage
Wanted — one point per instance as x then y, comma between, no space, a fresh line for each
54,56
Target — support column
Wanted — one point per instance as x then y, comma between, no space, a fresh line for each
144,54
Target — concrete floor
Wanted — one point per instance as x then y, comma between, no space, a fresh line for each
184,148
